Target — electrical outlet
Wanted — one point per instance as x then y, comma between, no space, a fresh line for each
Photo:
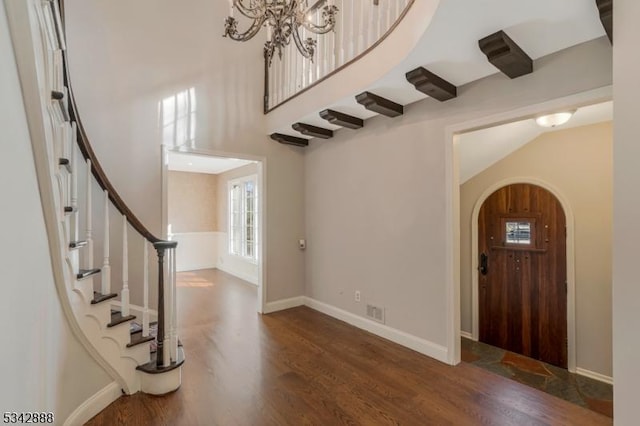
357,295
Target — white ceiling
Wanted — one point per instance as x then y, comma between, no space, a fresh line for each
449,47
194,163
480,149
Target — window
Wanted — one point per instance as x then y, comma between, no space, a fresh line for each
518,231
178,113
243,213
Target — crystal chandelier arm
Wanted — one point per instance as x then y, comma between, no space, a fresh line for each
232,32
251,12
306,48
328,21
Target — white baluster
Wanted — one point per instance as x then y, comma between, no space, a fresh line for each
125,269
361,28
106,267
145,284
89,251
379,30
371,26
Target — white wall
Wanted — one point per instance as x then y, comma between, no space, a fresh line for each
626,204
123,64
198,250
44,368
376,200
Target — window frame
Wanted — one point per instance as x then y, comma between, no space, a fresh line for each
242,211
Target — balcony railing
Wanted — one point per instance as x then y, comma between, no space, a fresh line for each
361,25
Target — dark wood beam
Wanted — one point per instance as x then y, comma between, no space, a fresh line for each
289,140
432,85
341,119
605,9
379,104
314,131
506,55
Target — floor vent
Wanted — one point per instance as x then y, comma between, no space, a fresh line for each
376,313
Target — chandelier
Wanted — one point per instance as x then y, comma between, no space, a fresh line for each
283,20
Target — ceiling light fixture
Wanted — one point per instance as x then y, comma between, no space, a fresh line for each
555,119
283,19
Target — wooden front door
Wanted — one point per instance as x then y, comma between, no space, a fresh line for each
522,273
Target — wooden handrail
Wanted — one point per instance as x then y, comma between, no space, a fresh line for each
89,154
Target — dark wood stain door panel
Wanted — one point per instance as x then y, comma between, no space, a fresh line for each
522,297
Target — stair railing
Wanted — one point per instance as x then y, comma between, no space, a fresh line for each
360,26
167,339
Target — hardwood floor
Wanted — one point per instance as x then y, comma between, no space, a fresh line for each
301,367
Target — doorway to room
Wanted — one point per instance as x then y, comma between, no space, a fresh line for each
548,326
213,207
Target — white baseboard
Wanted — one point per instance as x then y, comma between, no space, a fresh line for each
280,305
418,344
246,277
94,405
466,335
593,375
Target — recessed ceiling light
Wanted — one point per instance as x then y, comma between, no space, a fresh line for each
190,164
553,120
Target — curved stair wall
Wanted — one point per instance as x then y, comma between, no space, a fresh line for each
138,346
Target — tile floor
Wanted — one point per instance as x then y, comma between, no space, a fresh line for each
580,390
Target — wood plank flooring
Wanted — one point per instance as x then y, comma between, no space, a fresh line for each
300,367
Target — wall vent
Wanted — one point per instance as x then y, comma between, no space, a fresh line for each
376,313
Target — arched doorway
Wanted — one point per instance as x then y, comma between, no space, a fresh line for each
522,274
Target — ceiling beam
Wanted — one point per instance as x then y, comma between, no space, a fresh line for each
431,85
289,140
314,131
506,55
379,104
341,119
605,9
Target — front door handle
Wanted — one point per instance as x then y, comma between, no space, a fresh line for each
484,260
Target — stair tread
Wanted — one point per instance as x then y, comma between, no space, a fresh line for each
99,297
117,318
152,368
77,244
69,209
85,273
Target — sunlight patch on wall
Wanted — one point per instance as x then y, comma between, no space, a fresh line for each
178,119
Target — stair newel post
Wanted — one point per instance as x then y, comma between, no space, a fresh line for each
160,337
106,267
89,251
174,307
145,284
74,185
166,346
162,358
125,269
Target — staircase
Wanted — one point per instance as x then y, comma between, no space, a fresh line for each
138,346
